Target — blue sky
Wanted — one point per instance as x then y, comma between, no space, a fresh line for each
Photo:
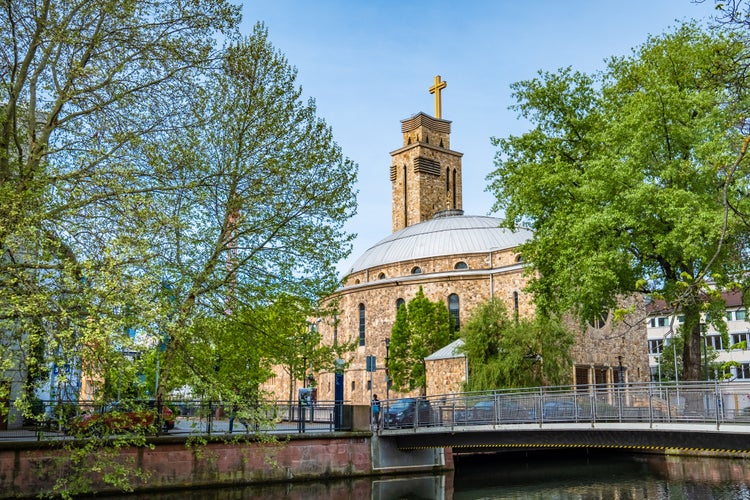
369,65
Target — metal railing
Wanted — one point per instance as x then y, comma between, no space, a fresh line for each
691,402
54,420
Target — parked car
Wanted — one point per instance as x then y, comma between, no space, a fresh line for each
401,413
501,410
118,417
559,410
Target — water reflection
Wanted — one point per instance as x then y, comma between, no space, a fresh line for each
580,474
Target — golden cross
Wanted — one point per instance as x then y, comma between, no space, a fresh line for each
435,89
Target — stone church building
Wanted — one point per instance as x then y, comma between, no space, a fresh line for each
462,260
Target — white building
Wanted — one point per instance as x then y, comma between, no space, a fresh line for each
662,325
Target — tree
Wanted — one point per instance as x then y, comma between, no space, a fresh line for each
261,193
503,352
622,181
421,328
87,86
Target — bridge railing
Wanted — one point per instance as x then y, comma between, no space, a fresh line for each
699,402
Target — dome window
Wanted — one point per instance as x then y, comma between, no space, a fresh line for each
461,265
356,282
381,276
519,258
416,270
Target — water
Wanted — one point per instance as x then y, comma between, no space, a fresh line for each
579,475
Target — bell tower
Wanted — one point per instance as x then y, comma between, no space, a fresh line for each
425,172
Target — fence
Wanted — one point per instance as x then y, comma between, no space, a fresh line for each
51,420
700,402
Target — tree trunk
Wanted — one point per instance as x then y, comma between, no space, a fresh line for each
691,352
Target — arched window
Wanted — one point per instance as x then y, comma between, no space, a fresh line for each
361,324
454,309
416,270
461,265
515,306
519,258
447,180
381,276
399,303
356,282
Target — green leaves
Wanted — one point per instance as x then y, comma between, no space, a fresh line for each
421,328
618,177
504,353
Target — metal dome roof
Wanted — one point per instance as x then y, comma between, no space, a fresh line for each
442,236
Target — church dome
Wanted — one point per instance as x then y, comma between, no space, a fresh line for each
441,236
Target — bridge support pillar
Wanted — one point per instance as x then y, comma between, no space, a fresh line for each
386,457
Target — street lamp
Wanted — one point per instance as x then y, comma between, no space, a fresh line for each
387,378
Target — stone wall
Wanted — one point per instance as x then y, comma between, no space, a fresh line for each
379,296
445,376
28,469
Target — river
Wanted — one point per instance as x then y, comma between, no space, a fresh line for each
579,474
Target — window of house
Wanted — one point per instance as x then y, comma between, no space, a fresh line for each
739,315
461,265
740,337
454,309
714,341
416,270
655,346
743,371
681,318
662,321
361,324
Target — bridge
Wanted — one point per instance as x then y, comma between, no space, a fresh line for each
702,416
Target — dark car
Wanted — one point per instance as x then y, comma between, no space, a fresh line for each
500,411
117,418
559,410
402,413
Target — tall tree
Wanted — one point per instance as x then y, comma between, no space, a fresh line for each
505,352
261,193
421,328
622,180
87,86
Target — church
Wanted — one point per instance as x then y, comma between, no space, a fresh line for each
462,260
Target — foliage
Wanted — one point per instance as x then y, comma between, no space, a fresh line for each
264,192
674,345
622,179
421,328
505,353
156,188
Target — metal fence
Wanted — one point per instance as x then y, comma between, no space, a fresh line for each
700,402
54,420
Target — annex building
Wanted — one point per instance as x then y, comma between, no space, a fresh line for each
462,260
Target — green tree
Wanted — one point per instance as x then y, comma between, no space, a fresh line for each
86,87
504,352
622,180
421,328
261,194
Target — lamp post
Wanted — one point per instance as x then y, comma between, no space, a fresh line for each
387,375
704,337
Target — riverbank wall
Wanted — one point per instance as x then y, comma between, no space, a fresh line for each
165,463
